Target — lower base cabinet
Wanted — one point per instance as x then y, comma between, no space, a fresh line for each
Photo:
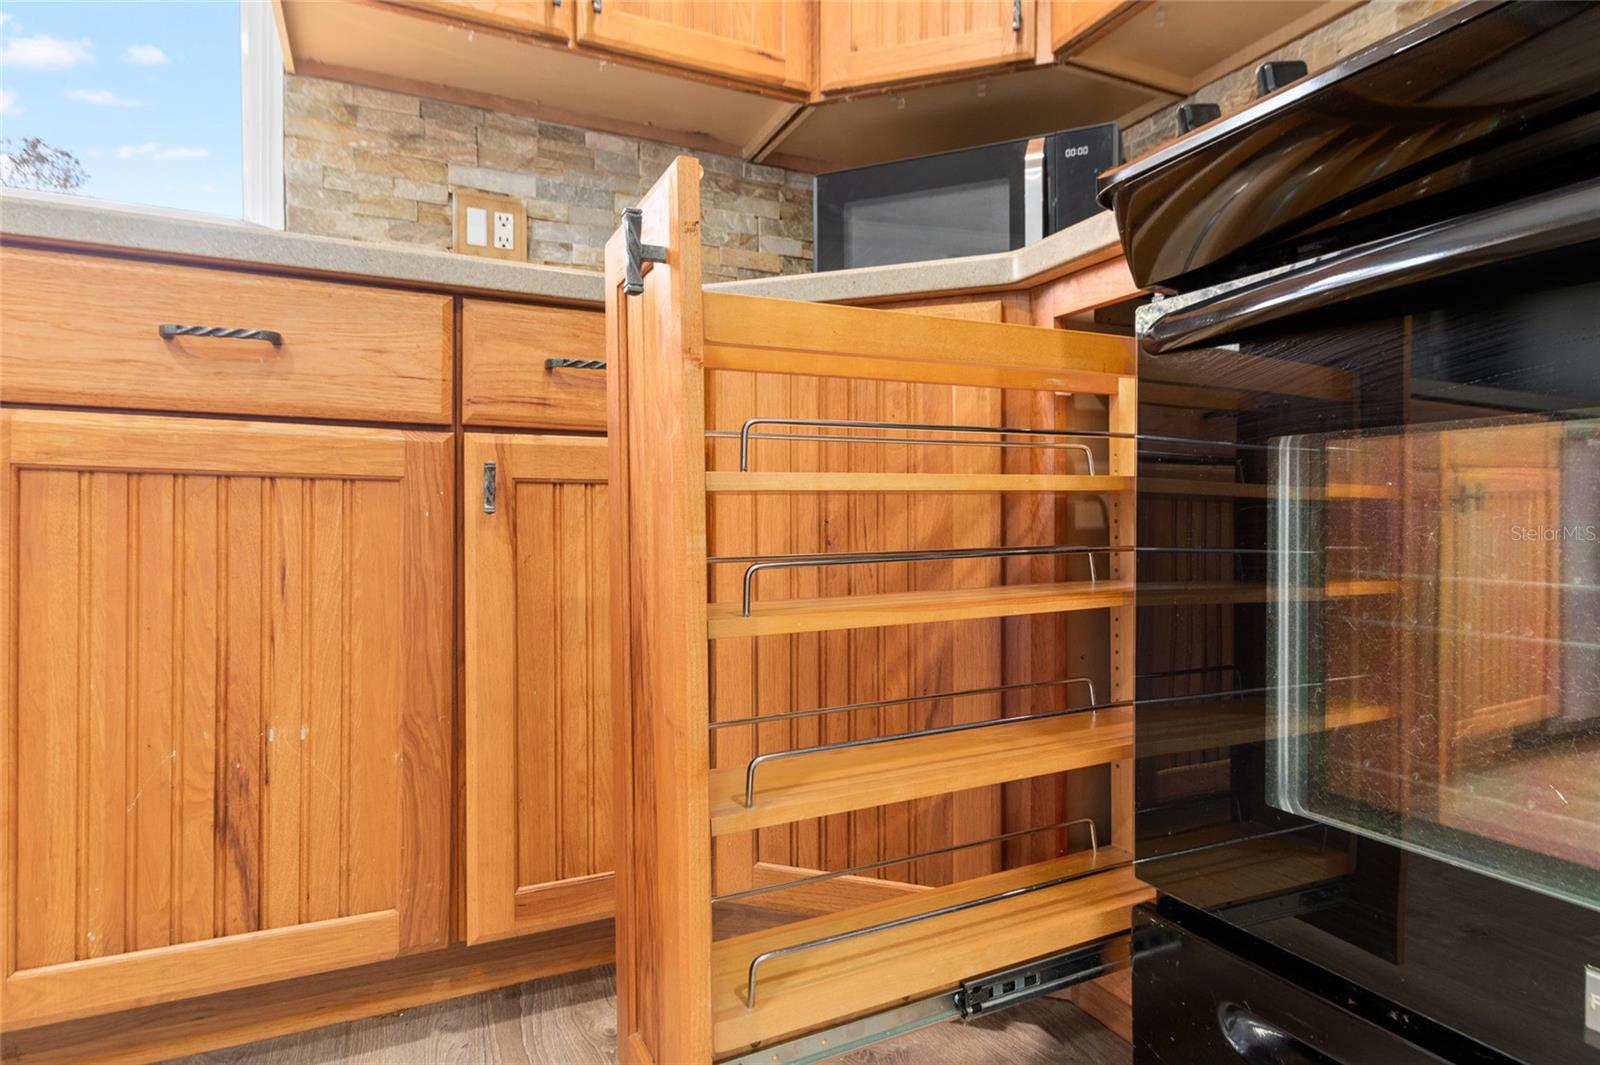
536,708
227,713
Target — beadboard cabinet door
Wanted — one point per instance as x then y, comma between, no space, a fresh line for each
227,705
765,42
536,715
545,18
865,42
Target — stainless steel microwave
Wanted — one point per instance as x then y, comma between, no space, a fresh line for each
969,202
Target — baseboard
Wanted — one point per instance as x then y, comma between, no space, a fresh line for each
193,1026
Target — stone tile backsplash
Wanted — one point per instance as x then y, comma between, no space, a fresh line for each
369,164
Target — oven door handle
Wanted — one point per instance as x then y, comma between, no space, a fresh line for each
1261,1042
1529,227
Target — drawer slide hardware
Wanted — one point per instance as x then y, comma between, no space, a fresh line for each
635,251
488,487
1018,984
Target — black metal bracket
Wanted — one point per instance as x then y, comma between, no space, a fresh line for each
1008,987
635,251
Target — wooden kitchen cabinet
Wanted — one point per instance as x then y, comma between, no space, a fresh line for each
1070,21
767,42
525,367
315,348
537,708
864,42
545,18
228,708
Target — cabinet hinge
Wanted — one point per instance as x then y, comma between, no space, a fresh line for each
1016,15
488,487
635,251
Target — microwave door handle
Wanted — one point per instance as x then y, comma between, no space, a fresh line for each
1530,227
1033,191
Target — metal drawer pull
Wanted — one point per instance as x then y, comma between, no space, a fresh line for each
574,364
901,922
221,332
872,741
856,870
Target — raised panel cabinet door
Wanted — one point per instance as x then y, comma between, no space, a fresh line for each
767,42
867,42
547,18
537,711
227,705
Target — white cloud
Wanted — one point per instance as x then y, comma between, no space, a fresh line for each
42,52
152,150
8,102
101,98
146,55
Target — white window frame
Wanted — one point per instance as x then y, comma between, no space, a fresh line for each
261,75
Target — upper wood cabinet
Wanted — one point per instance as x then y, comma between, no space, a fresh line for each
866,42
226,755
547,18
1072,20
768,42
537,709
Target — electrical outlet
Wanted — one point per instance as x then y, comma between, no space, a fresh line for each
487,224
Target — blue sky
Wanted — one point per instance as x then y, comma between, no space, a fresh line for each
146,95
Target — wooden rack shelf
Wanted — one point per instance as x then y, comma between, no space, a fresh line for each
801,991
1207,724
1209,488
831,782
1197,593
777,617
680,358
728,481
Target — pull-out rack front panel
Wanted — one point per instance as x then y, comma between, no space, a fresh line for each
843,558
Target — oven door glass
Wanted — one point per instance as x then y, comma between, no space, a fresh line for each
1435,657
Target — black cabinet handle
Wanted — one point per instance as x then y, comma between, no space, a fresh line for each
574,364
221,332
1260,1042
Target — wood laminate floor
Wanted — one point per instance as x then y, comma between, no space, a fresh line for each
571,1020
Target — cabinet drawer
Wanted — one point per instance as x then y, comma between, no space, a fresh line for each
84,330
504,377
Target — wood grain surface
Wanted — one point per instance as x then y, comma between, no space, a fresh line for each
571,1020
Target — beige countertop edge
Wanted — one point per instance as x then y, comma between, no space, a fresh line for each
134,229
1083,244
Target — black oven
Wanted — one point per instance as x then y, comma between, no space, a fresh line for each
1368,719
969,202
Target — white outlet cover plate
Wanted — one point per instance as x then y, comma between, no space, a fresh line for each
478,227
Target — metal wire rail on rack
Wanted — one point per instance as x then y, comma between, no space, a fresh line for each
972,726
901,922
746,433
758,563
883,863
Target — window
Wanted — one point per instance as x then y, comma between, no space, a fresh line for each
167,104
